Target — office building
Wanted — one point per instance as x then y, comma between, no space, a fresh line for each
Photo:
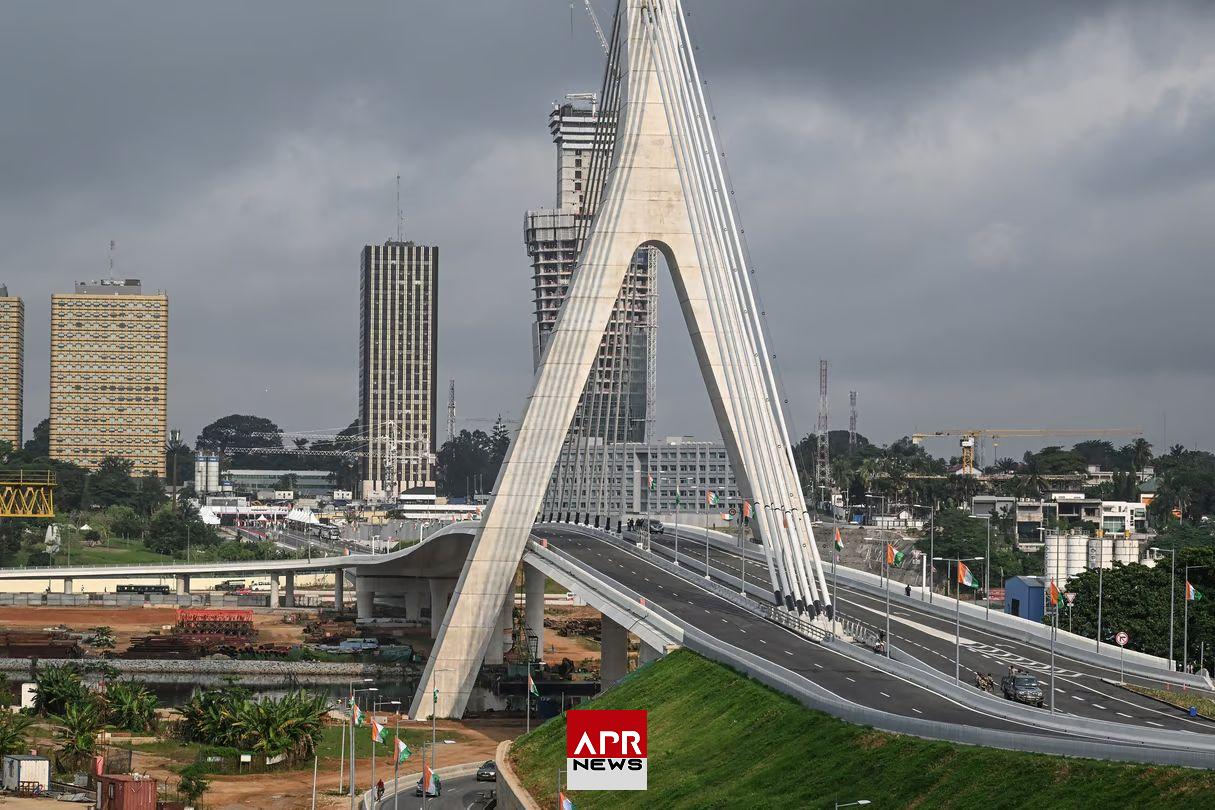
12,366
398,356
662,479
617,402
109,375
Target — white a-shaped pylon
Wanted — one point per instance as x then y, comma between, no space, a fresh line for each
666,188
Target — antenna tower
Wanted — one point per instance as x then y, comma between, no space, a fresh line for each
111,258
822,465
400,218
390,459
852,421
451,409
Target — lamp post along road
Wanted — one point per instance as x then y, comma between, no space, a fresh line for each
1185,620
1172,601
957,618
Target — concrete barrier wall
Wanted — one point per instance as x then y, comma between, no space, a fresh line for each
511,793
204,666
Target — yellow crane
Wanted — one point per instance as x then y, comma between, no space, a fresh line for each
27,494
970,437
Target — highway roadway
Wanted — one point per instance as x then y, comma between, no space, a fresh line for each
1079,688
844,676
459,793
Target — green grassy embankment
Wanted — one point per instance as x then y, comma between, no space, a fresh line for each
720,740
1182,700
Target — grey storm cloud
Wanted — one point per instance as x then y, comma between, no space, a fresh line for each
983,213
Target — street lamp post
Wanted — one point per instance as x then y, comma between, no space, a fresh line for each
353,704
986,567
375,705
1185,621
957,619
1172,602
342,754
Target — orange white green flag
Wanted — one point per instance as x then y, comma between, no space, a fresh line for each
403,752
378,732
839,541
1054,594
358,715
965,577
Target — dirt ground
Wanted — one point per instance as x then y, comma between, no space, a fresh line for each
293,789
29,803
128,622
575,648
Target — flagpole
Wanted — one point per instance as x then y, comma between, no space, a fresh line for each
707,538
527,687
373,742
957,629
742,550
342,760
396,762
887,559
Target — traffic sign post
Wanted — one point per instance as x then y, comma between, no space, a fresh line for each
1122,638
1070,596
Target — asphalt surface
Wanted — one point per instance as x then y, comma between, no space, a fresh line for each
850,679
1079,689
458,793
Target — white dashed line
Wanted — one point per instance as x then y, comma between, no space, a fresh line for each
1124,714
849,679
761,641
1154,723
883,694
917,711
1098,706
1077,697
818,666
788,653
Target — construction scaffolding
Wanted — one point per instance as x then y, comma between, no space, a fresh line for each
27,494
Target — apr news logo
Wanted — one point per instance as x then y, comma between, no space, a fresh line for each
605,749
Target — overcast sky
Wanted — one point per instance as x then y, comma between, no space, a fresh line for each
983,214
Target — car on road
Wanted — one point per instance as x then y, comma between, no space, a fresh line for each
488,772
436,787
1023,689
656,527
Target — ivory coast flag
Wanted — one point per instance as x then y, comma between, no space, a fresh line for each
377,731
427,776
746,510
710,498
403,752
965,577
650,480
563,801
839,541
531,686
1192,594
358,715
893,556
1054,594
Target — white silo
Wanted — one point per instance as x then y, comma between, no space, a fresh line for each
200,475
1126,550
212,473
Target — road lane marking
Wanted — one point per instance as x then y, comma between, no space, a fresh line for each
1154,723
1097,706
788,653
917,711
883,694
849,679
1077,697
819,666
1124,714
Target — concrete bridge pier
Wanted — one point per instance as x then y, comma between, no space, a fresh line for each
289,591
500,639
646,653
274,590
441,590
339,589
364,598
533,601
183,584
417,598
67,585
613,652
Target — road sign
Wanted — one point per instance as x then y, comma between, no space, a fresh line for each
1070,596
1122,638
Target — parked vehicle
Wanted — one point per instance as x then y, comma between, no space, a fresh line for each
231,585
359,644
488,772
1022,688
656,527
141,588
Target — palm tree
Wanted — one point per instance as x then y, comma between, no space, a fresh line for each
1141,453
13,738
77,734
130,706
59,687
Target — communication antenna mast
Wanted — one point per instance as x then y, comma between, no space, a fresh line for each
390,458
400,217
451,410
111,258
822,466
851,421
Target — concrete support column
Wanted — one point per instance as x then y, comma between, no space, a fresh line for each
613,652
646,653
289,595
339,589
533,601
274,590
501,638
364,598
417,597
440,595
183,584
67,585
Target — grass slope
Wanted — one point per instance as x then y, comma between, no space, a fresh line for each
720,740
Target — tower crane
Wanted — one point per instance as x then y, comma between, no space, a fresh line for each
970,436
595,22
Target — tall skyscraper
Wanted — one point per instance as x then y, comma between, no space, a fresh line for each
398,357
617,403
12,365
110,375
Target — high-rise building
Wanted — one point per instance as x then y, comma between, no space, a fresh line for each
398,357
617,404
12,365
110,374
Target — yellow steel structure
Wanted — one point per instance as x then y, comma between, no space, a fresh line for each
970,437
27,494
